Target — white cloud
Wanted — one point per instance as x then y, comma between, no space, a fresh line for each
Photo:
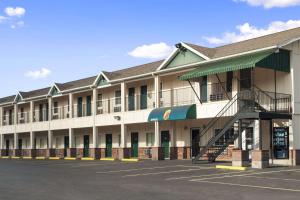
15,12
18,24
38,74
153,51
247,31
271,3
2,19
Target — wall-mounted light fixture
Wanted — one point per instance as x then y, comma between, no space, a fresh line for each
117,118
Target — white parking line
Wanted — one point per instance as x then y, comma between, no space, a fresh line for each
168,172
207,175
147,168
273,178
250,186
247,174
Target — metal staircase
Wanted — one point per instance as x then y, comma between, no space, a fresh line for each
240,108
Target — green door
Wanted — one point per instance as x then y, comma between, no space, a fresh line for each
108,149
135,145
143,98
203,89
165,143
88,106
79,107
66,145
131,99
7,147
86,145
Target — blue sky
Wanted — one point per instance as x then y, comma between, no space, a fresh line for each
42,42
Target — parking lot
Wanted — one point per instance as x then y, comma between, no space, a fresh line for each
60,179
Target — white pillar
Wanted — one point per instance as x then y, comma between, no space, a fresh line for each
50,139
123,136
32,145
71,138
31,111
157,91
50,108
95,137
16,141
1,141
95,98
257,135
1,116
173,134
15,113
123,97
71,106
156,134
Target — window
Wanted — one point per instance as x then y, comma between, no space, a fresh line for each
203,89
55,110
57,142
41,143
150,139
22,112
99,100
160,90
118,97
228,137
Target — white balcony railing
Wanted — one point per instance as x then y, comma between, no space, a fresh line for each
140,101
111,105
82,110
8,120
177,97
23,118
62,112
40,115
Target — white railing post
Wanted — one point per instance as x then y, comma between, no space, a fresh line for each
71,106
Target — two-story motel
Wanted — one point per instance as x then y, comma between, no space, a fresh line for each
237,102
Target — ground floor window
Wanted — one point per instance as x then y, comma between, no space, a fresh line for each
281,142
150,139
227,138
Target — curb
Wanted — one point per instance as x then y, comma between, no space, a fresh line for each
107,159
230,167
130,160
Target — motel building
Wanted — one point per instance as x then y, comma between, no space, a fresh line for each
239,102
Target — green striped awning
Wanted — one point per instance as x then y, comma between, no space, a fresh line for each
173,113
242,62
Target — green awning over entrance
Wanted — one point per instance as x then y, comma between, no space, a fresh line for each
277,61
173,113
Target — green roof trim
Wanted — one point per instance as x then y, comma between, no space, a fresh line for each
279,61
173,113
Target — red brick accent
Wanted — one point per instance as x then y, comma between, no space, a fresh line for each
183,153
28,153
60,153
145,153
17,152
71,152
41,152
50,153
79,152
95,153
157,153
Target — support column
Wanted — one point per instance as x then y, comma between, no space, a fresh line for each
71,110
15,114
50,150
124,151
123,97
1,116
71,152
32,145
157,91
294,128
95,150
157,153
1,145
173,148
50,108
31,112
16,151
240,157
260,156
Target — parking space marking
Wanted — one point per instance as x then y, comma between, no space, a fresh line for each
200,176
249,186
145,168
168,172
273,178
247,174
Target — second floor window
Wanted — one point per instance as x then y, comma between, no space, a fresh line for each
118,97
99,100
55,107
22,112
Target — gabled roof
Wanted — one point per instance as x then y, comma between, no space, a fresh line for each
8,99
85,82
133,71
35,93
275,39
